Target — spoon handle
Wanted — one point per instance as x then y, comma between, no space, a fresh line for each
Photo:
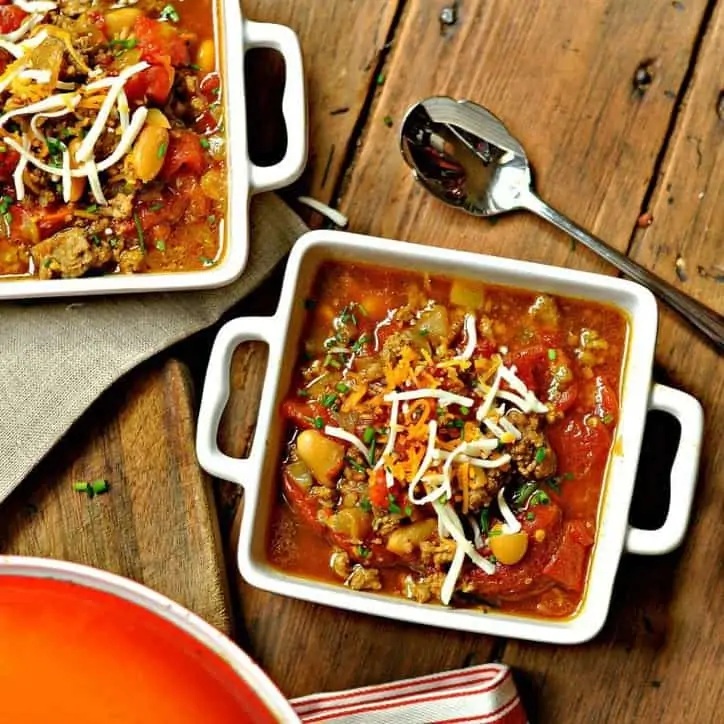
704,319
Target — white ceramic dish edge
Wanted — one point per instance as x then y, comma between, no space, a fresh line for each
247,179
257,472
160,606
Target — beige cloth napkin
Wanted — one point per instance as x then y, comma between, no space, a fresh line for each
57,357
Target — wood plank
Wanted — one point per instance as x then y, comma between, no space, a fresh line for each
661,652
341,45
560,76
157,524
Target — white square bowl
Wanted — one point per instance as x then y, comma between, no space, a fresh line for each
234,36
259,473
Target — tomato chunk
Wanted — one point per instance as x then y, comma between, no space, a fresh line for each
11,18
160,43
184,152
152,84
305,414
568,565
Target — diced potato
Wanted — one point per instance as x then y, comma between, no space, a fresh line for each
405,539
299,472
466,294
509,548
156,117
353,522
213,184
121,20
323,457
545,310
434,324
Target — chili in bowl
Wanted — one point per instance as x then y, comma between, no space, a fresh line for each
117,148
448,442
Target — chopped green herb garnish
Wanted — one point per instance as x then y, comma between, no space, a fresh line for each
494,532
408,510
160,244
170,13
205,143
540,496
155,207
99,486
443,498
464,410
96,239
211,219
554,484
161,152
521,495
373,446
485,520
194,66
329,361
387,120
458,423
206,261
48,262
310,303
8,217
365,505
357,346
139,232
530,516
3,148
552,354
368,435
424,331
92,208
355,465
318,423
81,486
330,399
607,418
440,411
363,552
341,387
493,559
393,507
128,44
302,393
381,79
540,454
113,243
568,476
362,310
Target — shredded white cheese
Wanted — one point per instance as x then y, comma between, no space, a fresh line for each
342,434
471,334
85,151
66,177
48,114
91,170
51,103
508,426
512,524
444,397
425,464
336,217
38,75
487,403
453,573
18,174
127,139
35,6
27,25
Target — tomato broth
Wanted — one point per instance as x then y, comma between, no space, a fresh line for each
74,654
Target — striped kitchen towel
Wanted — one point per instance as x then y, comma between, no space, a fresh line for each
484,694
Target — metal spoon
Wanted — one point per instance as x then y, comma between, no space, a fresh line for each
464,155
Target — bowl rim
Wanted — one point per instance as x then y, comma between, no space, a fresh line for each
636,301
217,643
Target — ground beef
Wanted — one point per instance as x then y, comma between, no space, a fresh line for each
364,579
383,525
339,563
424,589
437,552
532,454
70,254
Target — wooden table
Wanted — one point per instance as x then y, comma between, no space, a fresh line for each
620,104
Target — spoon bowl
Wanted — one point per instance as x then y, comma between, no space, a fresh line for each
465,156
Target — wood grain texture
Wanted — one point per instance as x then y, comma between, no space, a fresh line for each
157,524
560,76
661,653
341,44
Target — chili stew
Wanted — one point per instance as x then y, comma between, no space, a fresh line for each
112,149
447,440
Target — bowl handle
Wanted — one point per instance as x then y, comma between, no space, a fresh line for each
688,411
294,107
216,394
